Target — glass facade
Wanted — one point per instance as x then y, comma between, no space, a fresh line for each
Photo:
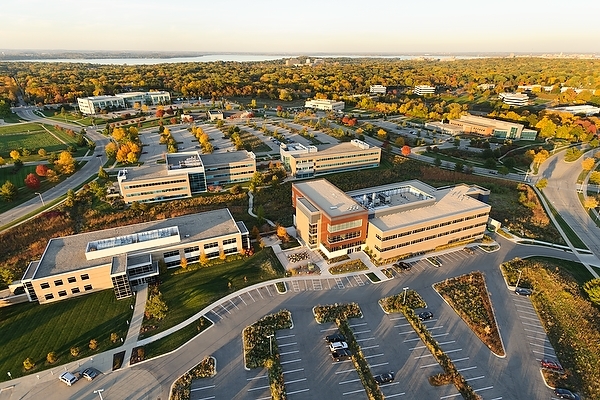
197,182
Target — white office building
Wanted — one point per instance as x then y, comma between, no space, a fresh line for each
95,104
422,90
514,99
378,89
325,105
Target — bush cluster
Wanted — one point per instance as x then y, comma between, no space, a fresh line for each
333,312
182,387
350,266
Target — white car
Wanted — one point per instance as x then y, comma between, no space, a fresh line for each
338,346
68,378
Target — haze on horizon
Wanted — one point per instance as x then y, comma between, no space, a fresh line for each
436,26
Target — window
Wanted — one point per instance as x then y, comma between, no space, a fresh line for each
171,254
211,245
45,285
71,279
62,293
87,287
229,241
75,290
345,225
58,282
49,296
85,277
191,249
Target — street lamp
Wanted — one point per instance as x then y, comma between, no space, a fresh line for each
41,198
271,343
99,391
9,374
405,289
518,279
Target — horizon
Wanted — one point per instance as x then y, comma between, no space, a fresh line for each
311,27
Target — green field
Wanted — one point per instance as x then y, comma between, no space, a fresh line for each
29,136
34,330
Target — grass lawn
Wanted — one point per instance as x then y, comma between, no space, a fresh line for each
34,330
187,293
176,339
29,136
573,238
74,118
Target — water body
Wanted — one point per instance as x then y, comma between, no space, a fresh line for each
216,57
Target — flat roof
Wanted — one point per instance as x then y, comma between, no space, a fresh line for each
448,202
225,158
338,148
66,254
328,198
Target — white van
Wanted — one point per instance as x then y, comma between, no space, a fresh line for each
68,378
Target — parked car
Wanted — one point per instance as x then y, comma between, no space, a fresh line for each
566,394
551,365
425,315
523,291
384,378
404,266
90,373
341,354
336,337
68,378
338,346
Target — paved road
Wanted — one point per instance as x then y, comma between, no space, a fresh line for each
311,374
90,168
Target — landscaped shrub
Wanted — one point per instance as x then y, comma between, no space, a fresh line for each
28,364
182,387
350,266
51,358
395,303
333,312
75,351
93,344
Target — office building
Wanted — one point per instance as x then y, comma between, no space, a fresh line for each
325,105
122,258
493,127
377,89
185,174
95,104
514,99
392,221
308,161
422,90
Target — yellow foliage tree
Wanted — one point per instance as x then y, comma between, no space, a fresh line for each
15,154
588,163
118,134
65,163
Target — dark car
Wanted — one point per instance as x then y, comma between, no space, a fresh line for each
523,291
403,266
341,354
566,394
90,373
336,337
384,378
425,315
551,365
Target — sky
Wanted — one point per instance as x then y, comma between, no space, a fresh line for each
303,26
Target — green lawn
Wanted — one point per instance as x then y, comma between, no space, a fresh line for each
176,339
34,137
187,293
573,238
34,330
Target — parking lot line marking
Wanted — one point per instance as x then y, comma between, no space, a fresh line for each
292,371
374,355
497,398
378,365
370,347
284,337
528,312
362,340
257,377
248,293
441,334
436,327
475,378
207,398
429,365
354,391
349,381
345,371
412,340
355,325
329,329
543,339
539,352
448,342
297,391
534,331
389,396
452,351
295,381
340,284
258,388
289,352
460,359
349,281
485,388
406,333
450,396
228,312
396,318
358,333
529,318
528,324
423,356
417,348
242,300
268,291
264,398
467,368
541,345
234,304
290,361
317,285
401,325
202,388
287,344
261,296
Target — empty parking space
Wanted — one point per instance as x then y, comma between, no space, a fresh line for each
237,303
537,338
294,372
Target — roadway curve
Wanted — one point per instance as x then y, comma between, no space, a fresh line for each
78,178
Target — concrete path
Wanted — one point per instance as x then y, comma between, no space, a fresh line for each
136,322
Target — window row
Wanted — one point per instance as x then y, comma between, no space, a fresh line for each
399,245
59,282
140,185
434,226
63,293
345,236
345,225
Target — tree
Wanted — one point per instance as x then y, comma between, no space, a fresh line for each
405,150
41,170
102,174
282,232
381,133
8,191
42,152
51,357
588,163
75,351
590,203
32,181
595,178
592,288
399,141
489,163
111,150
93,344
52,176
459,167
156,307
28,364
2,161
222,255
65,163
183,263
15,155
203,259
437,162
542,183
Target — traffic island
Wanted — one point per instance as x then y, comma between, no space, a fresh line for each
181,388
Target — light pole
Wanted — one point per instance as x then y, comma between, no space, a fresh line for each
9,374
518,279
271,343
404,299
41,198
99,391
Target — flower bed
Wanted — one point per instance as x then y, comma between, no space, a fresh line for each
395,303
181,389
468,296
350,266
338,259
332,312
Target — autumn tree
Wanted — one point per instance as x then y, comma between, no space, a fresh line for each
32,181
8,191
382,133
42,152
51,357
15,155
542,183
183,263
592,288
405,150
203,259
111,150
65,163
590,203
41,170
93,344
102,174
2,161
156,307
52,176
28,364
588,163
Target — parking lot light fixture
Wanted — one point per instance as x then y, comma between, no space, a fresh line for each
41,198
271,343
404,299
99,392
519,278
